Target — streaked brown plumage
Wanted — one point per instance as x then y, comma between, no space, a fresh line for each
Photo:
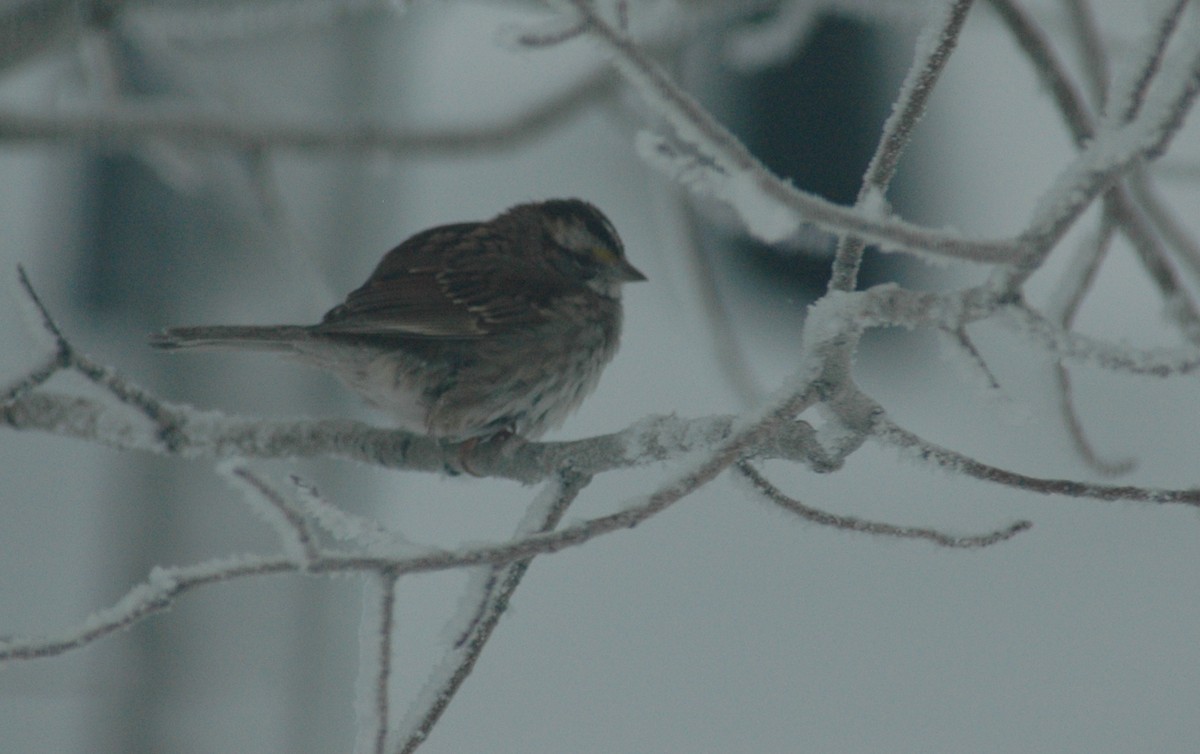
472,329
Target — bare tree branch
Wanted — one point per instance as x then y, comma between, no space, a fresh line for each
386,632
852,523
155,596
1063,307
914,96
1129,100
297,537
755,184
944,458
499,585
1145,109
1095,61
130,123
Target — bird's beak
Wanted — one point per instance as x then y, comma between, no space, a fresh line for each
627,273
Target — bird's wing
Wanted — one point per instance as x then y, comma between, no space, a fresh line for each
453,281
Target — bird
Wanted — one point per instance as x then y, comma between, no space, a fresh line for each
470,330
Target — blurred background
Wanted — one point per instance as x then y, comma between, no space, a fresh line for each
720,625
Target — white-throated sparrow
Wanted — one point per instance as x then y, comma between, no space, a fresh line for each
468,330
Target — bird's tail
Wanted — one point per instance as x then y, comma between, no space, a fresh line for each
248,337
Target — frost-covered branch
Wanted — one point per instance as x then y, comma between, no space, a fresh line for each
762,486
1062,308
1091,49
1130,121
1042,53
1058,214
157,426
157,595
1084,349
198,434
486,599
1130,92
384,635
167,584
934,48
1167,223
771,208
130,124
917,448
287,518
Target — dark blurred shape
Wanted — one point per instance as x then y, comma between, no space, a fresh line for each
815,120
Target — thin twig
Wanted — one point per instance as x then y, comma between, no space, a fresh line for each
1079,276
944,458
130,124
1036,45
386,634
1079,439
1059,212
915,91
365,534
155,596
1068,297
500,583
699,129
1153,255
296,534
60,356
1091,48
853,523
1129,102
1075,346
167,584
1167,223
535,39
35,377
67,357
959,339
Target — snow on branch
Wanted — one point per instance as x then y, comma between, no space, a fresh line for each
919,449
768,205
934,47
1146,106
156,595
378,629
138,420
482,605
298,540
761,485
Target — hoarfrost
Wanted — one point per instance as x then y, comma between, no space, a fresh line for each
767,218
